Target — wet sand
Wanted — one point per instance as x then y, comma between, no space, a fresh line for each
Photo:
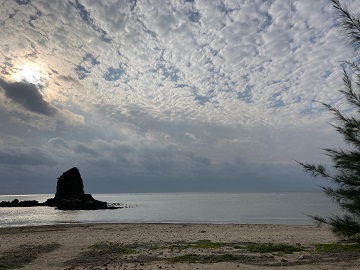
171,246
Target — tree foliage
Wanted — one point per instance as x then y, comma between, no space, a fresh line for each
345,170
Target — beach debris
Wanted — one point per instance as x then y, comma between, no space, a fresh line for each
267,255
304,257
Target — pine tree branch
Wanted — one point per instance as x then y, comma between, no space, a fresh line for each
349,93
351,134
315,170
345,226
347,179
340,117
349,24
345,171
344,159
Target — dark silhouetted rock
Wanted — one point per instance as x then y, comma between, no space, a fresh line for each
29,203
70,194
69,184
17,203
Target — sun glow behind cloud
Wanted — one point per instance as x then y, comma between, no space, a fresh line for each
28,73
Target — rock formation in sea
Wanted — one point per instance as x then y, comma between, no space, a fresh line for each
69,184
70,194
17,203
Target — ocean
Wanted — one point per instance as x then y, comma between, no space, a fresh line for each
216,208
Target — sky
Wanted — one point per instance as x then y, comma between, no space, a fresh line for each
167,96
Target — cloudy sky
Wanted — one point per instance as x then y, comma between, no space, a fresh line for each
153,96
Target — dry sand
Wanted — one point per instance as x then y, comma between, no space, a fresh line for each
168,246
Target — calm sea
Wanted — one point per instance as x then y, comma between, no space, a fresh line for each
229,208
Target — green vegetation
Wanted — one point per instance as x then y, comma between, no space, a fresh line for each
196,258
23,255
337,246
207,244
100,254
109,247
109,254
345,171
271,248
201,244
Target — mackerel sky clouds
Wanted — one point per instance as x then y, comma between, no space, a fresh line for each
151,96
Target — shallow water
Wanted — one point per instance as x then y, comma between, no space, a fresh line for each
230,208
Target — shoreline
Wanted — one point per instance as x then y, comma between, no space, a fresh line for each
170,246
155,222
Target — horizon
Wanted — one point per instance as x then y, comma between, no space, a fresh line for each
174,192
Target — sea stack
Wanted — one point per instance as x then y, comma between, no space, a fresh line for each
70,194
69,184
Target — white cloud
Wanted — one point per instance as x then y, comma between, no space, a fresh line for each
175,73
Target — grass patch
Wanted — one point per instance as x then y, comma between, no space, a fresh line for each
207,244
336,246
24,254
100,254
111,248
201,244
196,258
271,248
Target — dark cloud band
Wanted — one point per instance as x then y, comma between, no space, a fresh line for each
28,96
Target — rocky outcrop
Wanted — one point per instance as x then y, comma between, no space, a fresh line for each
77,202
69,184
69,195
17,203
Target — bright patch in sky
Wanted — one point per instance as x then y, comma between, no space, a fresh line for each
28,74
167,95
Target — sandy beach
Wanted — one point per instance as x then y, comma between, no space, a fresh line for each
172,246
